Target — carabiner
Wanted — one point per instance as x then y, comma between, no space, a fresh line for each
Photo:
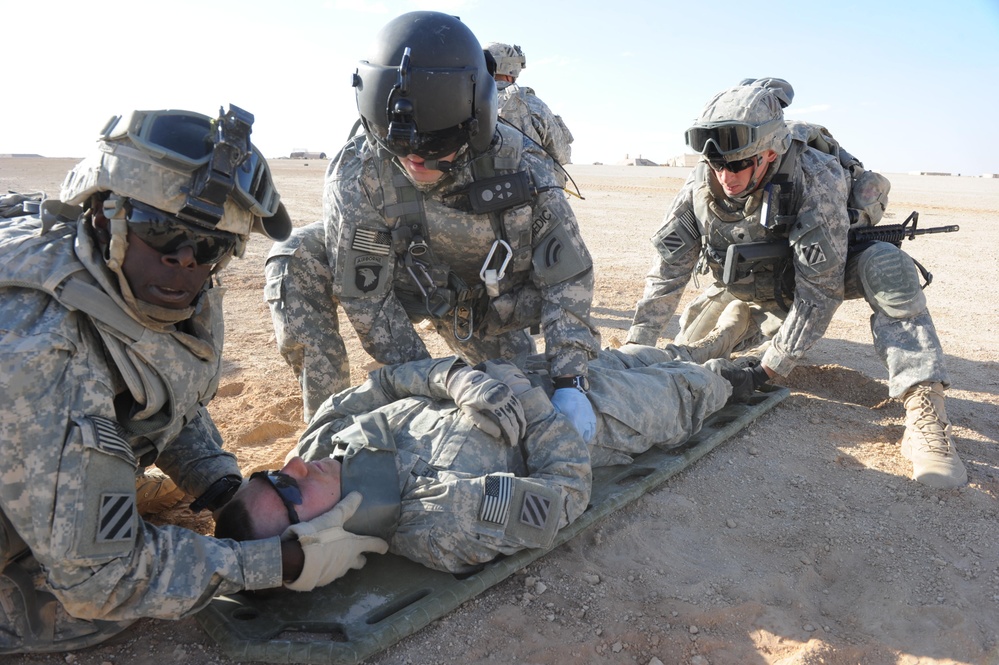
457,325
491,277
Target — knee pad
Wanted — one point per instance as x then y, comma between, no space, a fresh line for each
890,281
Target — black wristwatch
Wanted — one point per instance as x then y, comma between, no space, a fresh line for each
580,383
218,494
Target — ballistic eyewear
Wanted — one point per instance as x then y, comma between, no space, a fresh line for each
168,234
187,140
732,167
726,137
287,489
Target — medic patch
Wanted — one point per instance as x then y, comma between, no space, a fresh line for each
372,241
535,510
496,502
541,224
813,254
116,518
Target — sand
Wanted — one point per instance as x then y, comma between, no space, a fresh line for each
802,540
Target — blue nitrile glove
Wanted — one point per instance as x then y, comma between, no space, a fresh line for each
574,405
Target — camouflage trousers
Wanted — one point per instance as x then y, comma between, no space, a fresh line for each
904,335
304,310
31,619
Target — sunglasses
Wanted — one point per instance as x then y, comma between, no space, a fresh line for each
732,167
287,488
167,234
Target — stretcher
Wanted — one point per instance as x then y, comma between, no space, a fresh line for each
371,609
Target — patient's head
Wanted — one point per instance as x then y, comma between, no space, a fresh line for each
270,501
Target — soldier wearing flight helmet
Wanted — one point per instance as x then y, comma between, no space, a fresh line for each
435,214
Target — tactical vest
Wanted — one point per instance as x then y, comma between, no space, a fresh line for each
425,285
38,253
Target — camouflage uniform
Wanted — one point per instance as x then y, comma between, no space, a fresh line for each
359,258
449,471
88,400
825,273
522,108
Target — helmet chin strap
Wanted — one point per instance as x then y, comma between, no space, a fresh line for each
153,316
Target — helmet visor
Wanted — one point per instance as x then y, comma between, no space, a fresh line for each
727,137
402,139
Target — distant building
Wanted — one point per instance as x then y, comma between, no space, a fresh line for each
687,161
636,161
305,154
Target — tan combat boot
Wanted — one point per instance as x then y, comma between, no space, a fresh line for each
732,326
927,441
156,492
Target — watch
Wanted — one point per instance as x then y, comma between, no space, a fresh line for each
580,383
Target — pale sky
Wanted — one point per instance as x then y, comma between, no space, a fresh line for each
905,86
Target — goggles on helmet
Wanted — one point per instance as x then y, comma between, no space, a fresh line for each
217,152
726,137
167,234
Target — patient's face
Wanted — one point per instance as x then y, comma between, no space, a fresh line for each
318,481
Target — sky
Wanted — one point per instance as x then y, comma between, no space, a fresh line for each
904,86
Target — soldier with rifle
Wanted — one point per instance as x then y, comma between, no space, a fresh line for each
784,218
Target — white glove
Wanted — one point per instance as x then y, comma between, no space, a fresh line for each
573,404
490,404
329,550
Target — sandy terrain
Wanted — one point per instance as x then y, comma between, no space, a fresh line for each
800,541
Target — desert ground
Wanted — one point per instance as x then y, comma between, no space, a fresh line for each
800,541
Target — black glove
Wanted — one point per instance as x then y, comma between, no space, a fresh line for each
744,381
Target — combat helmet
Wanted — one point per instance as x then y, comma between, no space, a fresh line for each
743,121
424,88
202,170
510,60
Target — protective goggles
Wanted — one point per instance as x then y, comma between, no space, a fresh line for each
287,488
733,167
168,235
726,137
187,140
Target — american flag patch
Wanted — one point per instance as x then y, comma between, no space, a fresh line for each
372,241
496,502
117,518
535,510
813,254
111,437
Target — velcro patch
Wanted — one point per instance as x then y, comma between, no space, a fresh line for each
535,510
109,436
116,518
496,501
372,241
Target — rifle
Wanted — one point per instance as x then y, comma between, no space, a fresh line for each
744,258
896,233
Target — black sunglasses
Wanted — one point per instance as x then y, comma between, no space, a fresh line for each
732,167
167,234
287,488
